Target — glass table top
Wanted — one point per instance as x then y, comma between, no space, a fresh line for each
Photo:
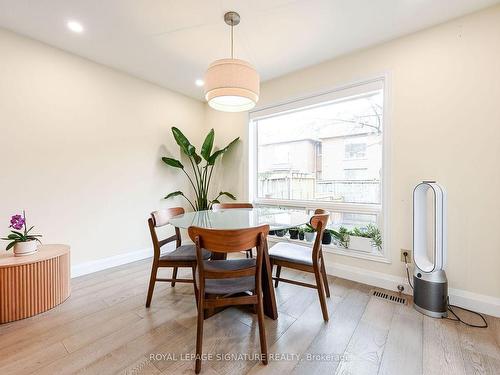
239,218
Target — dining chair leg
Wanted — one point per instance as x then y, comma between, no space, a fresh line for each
262,329
199,335
325,277
249,253
152,281
174,276
321,293
194,285
278,273
207,313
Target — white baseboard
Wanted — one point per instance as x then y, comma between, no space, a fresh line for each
472,301
115,261
109,262
476,302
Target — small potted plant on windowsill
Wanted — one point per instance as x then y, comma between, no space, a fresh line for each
341,237
294,233
309,233
23,243
375,236
326,239
359,240
281,232
365,239
301,233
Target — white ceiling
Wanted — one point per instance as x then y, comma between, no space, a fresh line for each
171,42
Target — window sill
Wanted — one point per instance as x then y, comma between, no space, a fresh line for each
332,249
370,208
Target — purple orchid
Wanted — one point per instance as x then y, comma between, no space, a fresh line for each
17,222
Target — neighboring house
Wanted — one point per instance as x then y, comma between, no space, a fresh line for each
287,169
351,168
296,155
341,167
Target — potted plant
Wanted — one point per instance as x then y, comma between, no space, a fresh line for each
202,174
375,236
281,232
20,238
326,239
359,240
301,234
341,237
365,239
309,233
294,233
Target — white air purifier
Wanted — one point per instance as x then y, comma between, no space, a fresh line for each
430,294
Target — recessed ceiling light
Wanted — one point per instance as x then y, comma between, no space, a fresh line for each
199,82
75,26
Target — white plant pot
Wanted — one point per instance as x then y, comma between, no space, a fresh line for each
360,243
309,236
25,248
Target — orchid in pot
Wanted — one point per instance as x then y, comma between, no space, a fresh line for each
23,242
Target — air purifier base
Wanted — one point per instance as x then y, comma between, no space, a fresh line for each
432,314
430,293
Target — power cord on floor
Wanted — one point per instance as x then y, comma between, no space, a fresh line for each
457,318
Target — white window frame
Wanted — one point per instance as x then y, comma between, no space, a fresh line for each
341,91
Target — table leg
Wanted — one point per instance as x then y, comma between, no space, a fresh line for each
270,308
218,256
269,298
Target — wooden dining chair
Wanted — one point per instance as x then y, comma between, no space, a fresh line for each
225,206
303,258
182,256
229,282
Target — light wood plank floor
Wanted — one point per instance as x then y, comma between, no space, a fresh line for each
104,328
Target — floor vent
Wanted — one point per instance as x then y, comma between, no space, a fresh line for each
391,297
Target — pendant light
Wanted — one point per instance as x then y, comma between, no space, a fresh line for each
231,85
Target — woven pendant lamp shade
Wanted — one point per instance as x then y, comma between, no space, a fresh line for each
231,85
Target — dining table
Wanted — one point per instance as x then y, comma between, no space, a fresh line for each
240,218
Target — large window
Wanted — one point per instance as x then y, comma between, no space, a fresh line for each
324,151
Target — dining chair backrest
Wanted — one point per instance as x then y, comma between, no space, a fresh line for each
229,241
225,206
161,218
318,221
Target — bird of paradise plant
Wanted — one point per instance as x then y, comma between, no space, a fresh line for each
202,172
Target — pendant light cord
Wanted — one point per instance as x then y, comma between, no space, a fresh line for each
232,43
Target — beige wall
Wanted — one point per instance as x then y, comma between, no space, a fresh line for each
80,148
80,143
444,125
231,174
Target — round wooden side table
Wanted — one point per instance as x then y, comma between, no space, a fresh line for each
34,283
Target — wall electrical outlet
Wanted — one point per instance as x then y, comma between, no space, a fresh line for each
408,257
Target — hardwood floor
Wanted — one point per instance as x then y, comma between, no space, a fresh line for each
104,328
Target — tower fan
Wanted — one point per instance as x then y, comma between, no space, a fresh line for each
430,294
